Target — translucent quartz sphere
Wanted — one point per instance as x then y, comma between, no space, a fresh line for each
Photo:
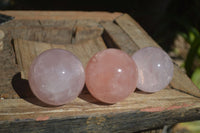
56,77
111,75
155,69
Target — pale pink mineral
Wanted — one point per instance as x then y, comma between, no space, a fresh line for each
56,77
155,69
111,75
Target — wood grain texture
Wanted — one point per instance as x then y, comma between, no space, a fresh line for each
44,34
133,114
115,37
65,23
135,31
7,67
49,31
86,29
58,32
139,112
85,33
62,15
180,80
27,51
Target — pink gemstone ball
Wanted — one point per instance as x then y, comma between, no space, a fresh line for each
111,75
56,77
155,69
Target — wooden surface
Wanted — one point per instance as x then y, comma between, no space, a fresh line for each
83,33
27,51
62,15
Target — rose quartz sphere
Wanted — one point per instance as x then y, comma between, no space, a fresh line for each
111,76
155,69
56,77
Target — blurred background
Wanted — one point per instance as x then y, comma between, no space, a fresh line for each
173,24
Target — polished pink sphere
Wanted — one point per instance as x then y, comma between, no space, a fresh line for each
56,77
111,75
155,69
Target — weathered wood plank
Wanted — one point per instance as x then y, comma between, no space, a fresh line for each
180,81
86,29
115,37
84,50
111,123
137,112
135,31
58,32
39,23
85,33
44,34
26,51
62,15
85,105
7,68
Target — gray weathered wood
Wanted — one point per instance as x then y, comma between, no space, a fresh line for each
115,37
20,111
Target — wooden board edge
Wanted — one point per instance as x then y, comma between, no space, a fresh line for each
63,15
103,123
18,56
126,19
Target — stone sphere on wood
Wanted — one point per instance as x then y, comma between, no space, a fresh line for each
56,77
111,76
155,69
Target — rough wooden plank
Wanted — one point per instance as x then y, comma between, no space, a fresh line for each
39,23
183,83
138,112
83,33
44,34
135,31
115,37
50,31
86,29
180,81
62,15
55,31
7,68
112,123
26,51
87,23
84,50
